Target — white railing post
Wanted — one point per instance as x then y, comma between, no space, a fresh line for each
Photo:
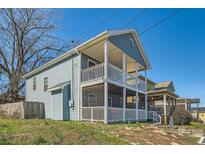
146,93
165,108
92,114
136,73
124,87
105,82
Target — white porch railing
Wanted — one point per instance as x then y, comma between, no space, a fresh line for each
92,73
130,114
93,113
115,114
141,115
115,73
154,116
131,80
141,85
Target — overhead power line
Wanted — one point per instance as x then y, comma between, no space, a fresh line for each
100,24
161,21
134,18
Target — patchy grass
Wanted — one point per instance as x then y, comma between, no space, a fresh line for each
72,132
197,125
53,132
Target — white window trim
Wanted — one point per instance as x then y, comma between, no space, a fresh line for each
34,78
89,60
111,100
44,83
92,95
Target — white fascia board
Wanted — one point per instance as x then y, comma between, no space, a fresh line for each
63,56
119,32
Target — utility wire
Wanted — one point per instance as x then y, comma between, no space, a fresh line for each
100,24
134,18
149,28
124,26
161,21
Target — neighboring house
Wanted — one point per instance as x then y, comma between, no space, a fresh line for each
161,98
187,103
96,81
202,114
200,111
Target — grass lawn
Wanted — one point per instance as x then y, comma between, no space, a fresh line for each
72,132
197,125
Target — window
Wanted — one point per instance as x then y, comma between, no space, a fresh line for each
110,101
92,100
34,83
45,83
90,63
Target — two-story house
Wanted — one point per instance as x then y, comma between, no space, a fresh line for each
96,81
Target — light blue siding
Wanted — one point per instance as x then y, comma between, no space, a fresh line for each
127,44
59,73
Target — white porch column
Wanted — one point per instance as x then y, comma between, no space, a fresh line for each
146,93
80,97
136,73
124,103
124,63
105,82
165,109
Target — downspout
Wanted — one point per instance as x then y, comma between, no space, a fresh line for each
72,80
79,86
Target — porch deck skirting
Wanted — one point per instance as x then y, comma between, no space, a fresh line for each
114,114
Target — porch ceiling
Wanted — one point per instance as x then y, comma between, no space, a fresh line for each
155,94
115,55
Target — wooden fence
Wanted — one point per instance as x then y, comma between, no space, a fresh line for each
22,110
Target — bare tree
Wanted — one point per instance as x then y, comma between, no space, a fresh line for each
27,40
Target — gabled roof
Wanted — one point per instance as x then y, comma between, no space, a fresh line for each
164,84
104,35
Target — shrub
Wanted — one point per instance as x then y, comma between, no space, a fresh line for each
181,116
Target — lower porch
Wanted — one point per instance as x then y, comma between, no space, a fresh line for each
163,102
93,105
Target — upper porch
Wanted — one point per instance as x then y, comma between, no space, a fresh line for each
118,59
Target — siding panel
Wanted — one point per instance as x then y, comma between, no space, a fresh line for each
59,73
126,43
